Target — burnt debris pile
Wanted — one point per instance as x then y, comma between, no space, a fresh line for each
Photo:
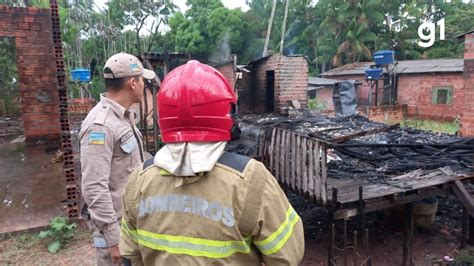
363,149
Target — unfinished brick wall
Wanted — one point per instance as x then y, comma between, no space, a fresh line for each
467,119
291,82
31,30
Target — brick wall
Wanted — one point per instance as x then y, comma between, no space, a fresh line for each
80,106
291,83
228,71
244,93
31,30
292,80
417,91
389,114
467,119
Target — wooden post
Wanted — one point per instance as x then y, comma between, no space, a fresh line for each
332,241
465,220
367,248
356,263
408,235
345,242
470,239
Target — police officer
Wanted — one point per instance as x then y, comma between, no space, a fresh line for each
111,148
193,203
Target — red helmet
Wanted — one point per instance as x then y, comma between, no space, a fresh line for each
194,104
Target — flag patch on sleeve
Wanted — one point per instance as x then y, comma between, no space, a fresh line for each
97,138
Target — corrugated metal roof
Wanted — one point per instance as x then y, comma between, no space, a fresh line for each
315,81
402,67
464,34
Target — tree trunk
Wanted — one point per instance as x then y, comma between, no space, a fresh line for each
269,29
284,27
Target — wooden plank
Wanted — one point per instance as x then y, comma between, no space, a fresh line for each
311,163
387,202
261,139
304,182
298,162
283,152
317,176
324,173
270,150
276,155
370,191
464,196
364,133
293,160
288,158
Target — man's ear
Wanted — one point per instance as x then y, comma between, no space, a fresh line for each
132,82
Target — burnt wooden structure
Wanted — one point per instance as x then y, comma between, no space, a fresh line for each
299,163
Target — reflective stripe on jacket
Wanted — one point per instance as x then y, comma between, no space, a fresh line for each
197,223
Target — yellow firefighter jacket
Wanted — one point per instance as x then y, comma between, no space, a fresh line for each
235,214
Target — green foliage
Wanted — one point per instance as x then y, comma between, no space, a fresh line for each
9,93
58,232
314,105
208,30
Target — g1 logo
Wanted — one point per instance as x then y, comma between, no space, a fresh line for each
431,28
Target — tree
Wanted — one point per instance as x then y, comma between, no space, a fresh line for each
206,28
137,14
269,30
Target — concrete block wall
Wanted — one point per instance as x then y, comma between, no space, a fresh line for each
30,29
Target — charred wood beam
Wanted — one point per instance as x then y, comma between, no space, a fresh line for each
464,196
363,133
406,145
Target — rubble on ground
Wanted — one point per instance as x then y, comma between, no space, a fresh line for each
397,150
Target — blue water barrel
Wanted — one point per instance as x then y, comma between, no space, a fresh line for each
81,75
373,73
384,57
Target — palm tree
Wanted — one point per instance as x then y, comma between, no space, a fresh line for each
270,22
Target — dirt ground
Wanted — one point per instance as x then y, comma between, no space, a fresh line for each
430,246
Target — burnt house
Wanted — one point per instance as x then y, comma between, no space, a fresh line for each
269,83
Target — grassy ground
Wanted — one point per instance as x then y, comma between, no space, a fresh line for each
28,249
443,127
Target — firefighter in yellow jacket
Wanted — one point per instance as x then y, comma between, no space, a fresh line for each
193,203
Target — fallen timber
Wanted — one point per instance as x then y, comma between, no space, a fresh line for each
302,163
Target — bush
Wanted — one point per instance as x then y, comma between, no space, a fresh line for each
58,232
